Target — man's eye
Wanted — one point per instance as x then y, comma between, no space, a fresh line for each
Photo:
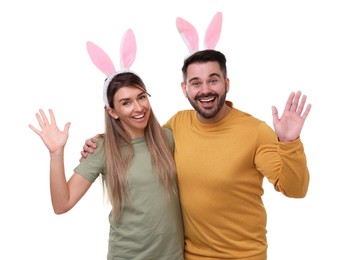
213,81
196,83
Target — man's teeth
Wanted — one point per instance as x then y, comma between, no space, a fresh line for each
138,117
207,100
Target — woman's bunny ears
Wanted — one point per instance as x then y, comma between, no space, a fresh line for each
190,35
104,63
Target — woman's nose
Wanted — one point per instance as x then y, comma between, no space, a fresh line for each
137,106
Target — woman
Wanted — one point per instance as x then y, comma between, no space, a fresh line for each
135,159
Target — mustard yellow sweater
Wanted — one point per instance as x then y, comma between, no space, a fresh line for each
221,168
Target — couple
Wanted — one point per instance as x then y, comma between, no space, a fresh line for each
221,158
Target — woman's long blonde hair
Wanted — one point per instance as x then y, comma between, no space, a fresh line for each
118,159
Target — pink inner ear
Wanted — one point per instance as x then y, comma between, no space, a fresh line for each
188,33
128,49
100,59
213,32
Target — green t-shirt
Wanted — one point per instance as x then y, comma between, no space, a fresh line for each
150,226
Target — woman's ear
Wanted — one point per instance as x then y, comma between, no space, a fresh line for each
112,113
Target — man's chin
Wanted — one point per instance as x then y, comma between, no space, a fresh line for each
206,113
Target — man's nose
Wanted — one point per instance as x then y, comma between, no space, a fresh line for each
205,88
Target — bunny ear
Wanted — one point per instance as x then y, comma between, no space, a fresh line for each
189,34
100,59
213,32
128,49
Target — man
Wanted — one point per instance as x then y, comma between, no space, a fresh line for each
222,155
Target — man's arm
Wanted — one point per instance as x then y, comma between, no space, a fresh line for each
89,146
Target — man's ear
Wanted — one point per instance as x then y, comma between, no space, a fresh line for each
112,113
183,85
227,85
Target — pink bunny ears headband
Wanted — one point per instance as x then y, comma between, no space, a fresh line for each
104,63
128,48
190,35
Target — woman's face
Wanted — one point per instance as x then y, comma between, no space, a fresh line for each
132,108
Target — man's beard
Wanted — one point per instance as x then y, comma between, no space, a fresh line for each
213,111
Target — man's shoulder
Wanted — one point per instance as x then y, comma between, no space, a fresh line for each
183,113
180,116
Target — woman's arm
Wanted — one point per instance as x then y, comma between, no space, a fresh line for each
64,195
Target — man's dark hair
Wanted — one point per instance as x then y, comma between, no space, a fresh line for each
205,56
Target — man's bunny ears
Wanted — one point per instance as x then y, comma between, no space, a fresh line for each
190,35
104,63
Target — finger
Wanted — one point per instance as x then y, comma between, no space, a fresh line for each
35,129
66,128
289,102
44,117
91,143
52,117
83,155
88,149
274,115
295,102
306,112
39,119
301,105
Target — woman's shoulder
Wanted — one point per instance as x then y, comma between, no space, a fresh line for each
99,140
169,134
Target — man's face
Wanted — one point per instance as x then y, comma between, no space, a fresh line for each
206,90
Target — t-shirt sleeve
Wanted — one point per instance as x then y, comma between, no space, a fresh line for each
94,164
169,135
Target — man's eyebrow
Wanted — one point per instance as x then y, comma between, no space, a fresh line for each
194,78
210,75
215,74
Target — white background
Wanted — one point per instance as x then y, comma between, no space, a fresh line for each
272,47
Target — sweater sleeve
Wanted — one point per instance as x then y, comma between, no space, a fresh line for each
283,164
169,123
